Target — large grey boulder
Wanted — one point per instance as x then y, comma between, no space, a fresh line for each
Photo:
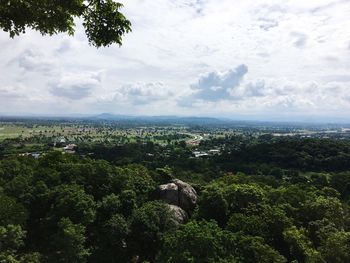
178,193
169,193
187,195
179,215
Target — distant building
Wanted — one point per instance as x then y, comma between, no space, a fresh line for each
59,142
35,155
198,154
70,148
214,151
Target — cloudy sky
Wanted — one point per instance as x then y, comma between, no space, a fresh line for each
267,59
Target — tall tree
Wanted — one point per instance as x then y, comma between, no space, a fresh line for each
103,22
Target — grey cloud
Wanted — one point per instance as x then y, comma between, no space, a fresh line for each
10,93
204,50
143,93
197,5
64,46
267,24
321,39
201,65
263,54
329,5
215,86
74,92
299,94
255,89
275,9
299,39
75,87
337,78
331,58
267,10
268,16
258,88
34,62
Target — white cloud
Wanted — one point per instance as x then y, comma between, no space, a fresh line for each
30,60
142,93
138,94
299,39
285,44
75,86
215,86
11,93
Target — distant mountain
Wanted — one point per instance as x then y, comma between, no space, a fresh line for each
109,116
130,120
160,119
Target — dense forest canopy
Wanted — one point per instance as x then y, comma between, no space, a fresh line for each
291,204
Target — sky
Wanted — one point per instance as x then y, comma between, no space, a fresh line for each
248,59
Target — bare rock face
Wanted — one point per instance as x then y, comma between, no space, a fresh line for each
169,193
178,193
180,215
187,195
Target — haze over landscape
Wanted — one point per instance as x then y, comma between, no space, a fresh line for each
261,60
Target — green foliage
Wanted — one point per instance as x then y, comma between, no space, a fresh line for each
116,231
128,202
104,23
198,242
322,207
206,242
213,204
139,181
336,248
72,202
287,153
11,241
300,246
101,208
69,242
244,196
148,224
109,206
294,219
254,249
221,199
341,182
112,246
21,187
11,237
11,212
267,222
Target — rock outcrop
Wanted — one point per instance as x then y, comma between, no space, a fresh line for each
187,195
169,193
180,215
178,193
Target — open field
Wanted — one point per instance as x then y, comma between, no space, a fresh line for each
93,133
